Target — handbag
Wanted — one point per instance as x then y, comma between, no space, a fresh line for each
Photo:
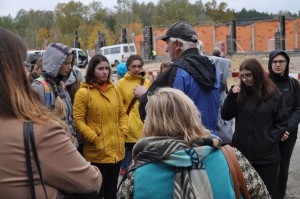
29,140
236,172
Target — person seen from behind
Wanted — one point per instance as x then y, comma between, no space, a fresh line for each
190,72
260,120
58,156
179,158
289,87
164,66
100,117
217,52
224,127
50,86
133,78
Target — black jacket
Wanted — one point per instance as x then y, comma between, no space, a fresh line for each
257,130
290,89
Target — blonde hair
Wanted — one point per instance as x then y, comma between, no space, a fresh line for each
39,64
60,110
172,113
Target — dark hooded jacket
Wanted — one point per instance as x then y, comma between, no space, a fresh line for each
197,77
289,87
258,129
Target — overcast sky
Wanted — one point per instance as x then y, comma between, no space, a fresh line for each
271,6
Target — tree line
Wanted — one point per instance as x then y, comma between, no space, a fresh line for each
40,27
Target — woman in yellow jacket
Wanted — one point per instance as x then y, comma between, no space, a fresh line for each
100,117
133,78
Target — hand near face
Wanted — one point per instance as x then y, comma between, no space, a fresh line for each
236,89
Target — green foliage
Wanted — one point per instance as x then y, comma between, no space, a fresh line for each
200,14
96,12
7,22
145,12
251,14
219,13
169,11
38,28
125,14
21,23
68,16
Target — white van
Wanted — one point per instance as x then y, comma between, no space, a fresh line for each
118,53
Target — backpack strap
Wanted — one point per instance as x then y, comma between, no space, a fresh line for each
46,90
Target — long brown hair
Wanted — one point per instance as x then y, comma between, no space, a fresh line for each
262,87
16,96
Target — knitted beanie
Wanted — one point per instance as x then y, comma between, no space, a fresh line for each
121,69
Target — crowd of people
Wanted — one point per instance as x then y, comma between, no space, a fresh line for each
165,138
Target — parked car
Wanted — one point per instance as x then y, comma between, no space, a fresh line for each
81,57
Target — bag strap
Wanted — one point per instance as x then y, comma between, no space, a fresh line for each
238,171
134,98
232,171
46,90
29,139
28,161
231,157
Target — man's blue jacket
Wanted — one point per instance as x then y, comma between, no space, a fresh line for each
197,77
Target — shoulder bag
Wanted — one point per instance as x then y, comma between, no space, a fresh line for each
29,140
236,172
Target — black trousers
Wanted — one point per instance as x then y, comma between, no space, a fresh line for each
269,174
286,149
110,175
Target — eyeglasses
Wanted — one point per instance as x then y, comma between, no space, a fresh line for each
246,76
275,62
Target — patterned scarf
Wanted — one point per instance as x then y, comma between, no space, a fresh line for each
153,149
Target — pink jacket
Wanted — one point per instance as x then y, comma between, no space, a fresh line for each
62,166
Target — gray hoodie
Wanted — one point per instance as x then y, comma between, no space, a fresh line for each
53,59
